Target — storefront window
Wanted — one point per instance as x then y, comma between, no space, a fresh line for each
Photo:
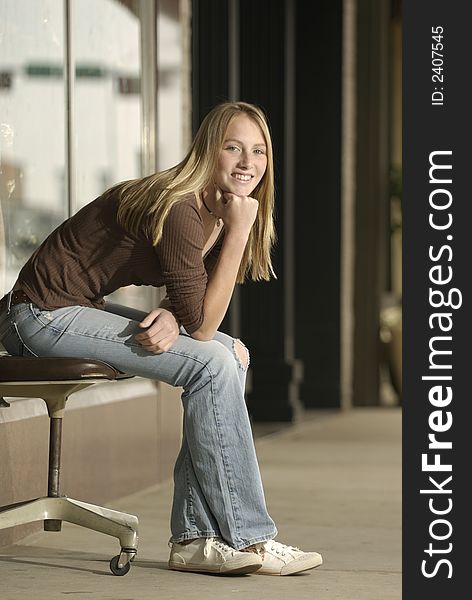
171,84
32,143
105,144
107,104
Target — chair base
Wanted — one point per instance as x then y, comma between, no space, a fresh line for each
104,520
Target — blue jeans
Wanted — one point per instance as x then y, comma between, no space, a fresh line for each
217,485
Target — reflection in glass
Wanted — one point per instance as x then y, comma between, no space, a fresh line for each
170,84
32,146
107,105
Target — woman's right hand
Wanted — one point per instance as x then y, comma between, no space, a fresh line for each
161,331
238,213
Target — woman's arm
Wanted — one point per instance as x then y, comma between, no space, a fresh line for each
238,214
194,301
161,329
165,303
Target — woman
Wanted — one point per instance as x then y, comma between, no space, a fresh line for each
196,228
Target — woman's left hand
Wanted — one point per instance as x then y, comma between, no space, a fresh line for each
161,332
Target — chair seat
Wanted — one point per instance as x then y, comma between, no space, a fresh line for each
25,368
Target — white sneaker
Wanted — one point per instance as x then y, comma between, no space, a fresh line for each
212,555
279,559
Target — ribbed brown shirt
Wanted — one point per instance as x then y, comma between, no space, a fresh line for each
90,256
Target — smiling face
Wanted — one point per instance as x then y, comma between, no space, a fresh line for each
243,157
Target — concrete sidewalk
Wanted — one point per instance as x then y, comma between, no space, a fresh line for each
332,483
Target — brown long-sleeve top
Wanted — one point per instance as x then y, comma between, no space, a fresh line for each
90,256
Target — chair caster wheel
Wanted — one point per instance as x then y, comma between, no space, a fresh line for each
115,569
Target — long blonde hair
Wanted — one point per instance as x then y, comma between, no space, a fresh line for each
146,202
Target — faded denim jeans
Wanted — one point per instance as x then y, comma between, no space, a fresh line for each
217,485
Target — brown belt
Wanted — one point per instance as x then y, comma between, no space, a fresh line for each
17,297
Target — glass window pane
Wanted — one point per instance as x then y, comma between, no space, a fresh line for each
107,104
32,145
171,84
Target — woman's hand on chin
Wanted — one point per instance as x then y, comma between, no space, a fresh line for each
237,212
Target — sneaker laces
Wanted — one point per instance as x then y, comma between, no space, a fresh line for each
219,544
276,547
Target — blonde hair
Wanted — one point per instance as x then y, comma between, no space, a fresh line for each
146,202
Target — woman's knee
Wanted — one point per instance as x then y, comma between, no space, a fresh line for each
242,354
237,349
212,360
